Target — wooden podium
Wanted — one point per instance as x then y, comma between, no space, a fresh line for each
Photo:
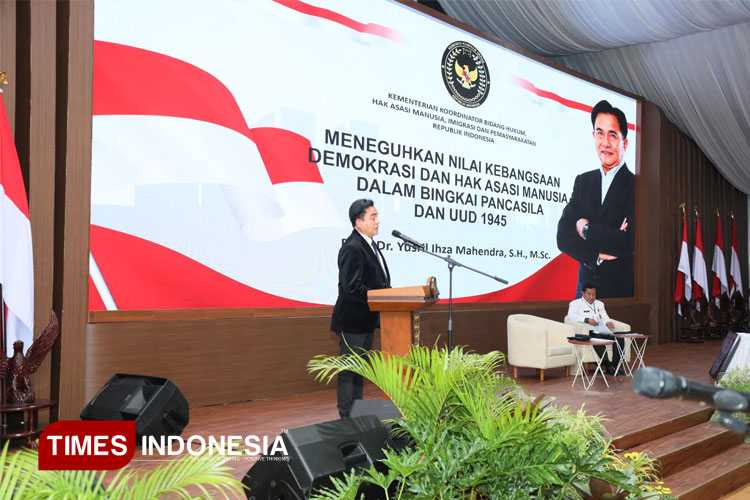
399,319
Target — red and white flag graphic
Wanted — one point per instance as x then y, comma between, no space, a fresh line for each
719,265
16,261
186,128
735,273
700,277
684,285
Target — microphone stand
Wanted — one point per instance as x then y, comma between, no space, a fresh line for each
451,264
737,426
727,402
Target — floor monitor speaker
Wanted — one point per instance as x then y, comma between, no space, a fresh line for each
156,404
384,409
315,454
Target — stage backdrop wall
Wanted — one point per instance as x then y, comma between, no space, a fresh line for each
47,50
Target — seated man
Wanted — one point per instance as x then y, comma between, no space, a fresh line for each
591,311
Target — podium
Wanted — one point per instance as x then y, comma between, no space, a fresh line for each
399,316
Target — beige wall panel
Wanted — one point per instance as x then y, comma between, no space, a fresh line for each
75,30
8,57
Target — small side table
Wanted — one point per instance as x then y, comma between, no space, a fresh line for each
579,348
31,420
638,351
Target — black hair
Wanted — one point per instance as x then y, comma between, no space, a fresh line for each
358,208
588,286
604,107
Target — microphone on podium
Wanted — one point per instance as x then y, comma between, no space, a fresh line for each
399,234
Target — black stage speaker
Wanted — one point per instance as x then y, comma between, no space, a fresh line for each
725,355
316,453
384,409
156,404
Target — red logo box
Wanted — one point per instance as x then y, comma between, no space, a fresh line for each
87,445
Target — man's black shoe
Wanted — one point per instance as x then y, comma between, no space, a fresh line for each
611,371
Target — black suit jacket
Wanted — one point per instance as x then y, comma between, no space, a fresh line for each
359,271
613,278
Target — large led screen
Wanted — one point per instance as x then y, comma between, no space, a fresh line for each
230,138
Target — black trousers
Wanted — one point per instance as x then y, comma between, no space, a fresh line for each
602,350
348,384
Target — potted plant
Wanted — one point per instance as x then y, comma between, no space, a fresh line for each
208,476
477,435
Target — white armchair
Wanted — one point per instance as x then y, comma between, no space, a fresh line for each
540,343
584,329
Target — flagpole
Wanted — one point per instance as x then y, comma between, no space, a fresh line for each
4,349
3,339
3,333
682,281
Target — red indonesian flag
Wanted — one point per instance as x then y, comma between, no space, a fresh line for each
683,287
719,265
735,274
16,262
700,277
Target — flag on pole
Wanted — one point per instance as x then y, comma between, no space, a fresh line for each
719,265
16,262
735,274
700,277
684,285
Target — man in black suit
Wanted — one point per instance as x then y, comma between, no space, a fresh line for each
362,267
597,225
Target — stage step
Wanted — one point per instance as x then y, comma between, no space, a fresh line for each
712,478
688,447
662,429
699,459
741,494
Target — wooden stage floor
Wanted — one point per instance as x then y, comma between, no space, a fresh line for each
625,411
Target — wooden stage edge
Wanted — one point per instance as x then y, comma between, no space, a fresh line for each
624,411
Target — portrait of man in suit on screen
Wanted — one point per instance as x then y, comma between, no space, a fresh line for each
597,225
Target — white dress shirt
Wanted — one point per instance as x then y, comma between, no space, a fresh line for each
608,178
377,254
580,310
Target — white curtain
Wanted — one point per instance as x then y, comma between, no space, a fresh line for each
690,57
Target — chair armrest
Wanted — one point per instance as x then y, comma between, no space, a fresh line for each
558,333
620,326
579,326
